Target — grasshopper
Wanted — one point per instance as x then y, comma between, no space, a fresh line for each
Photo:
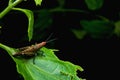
31,51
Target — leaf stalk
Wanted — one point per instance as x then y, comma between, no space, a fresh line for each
9,8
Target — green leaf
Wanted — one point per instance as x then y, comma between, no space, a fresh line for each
98,28
94,4
61,3
47,67
43,21
117,28
79,33
38,2
30,17
8,49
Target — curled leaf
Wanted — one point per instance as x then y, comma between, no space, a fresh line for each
30,17
47,67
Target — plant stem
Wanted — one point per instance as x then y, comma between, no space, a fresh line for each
68,10
76,10
9,8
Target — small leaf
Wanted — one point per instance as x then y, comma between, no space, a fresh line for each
43,21
79,33
47,67
38,2
61,3
98,28
94,4
30,17
117,28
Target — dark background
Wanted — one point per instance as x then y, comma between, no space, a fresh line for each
98,57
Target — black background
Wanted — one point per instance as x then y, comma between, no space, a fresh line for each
98,57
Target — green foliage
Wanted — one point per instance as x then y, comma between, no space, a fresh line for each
61,3
79,33
38,2
47,66
94,4
42,22
30,17
117,28
98,28
28,13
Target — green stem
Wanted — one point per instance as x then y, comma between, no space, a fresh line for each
10,2
68,10
9,8
76,10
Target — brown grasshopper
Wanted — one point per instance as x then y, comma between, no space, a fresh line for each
31,51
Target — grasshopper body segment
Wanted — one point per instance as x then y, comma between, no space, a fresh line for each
29,51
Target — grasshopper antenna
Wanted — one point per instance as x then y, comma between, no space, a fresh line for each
47,40
51,40
49,37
